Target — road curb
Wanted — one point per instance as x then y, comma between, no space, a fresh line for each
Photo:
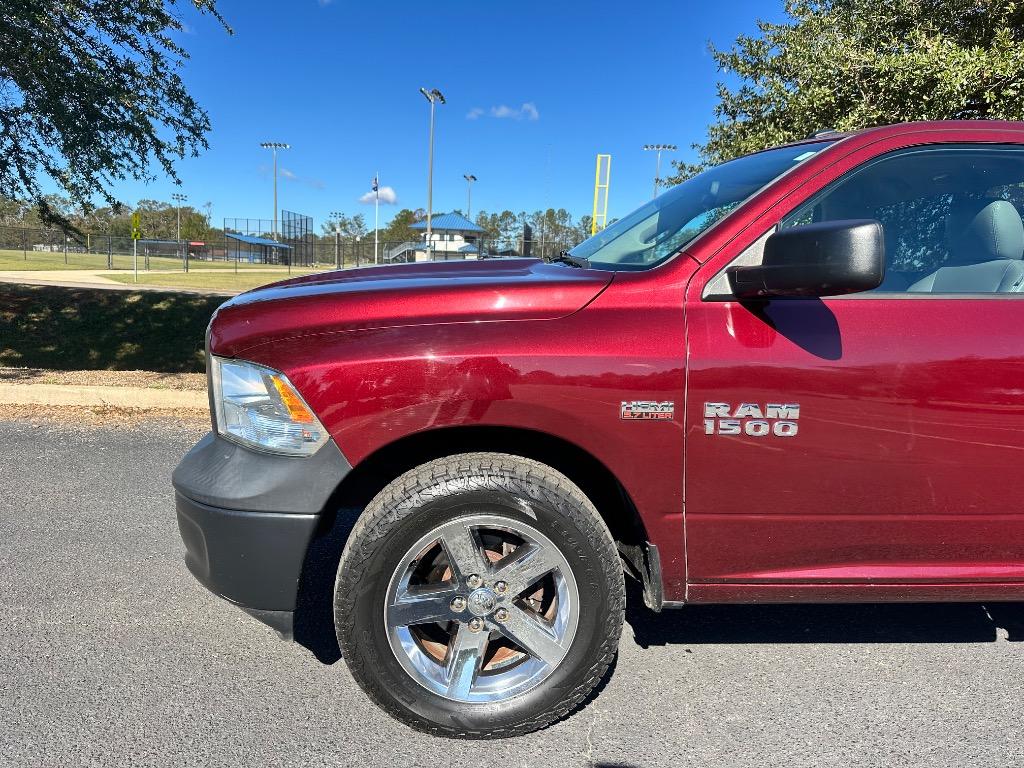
80,285
85,395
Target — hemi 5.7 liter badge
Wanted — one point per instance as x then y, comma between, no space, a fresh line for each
663,410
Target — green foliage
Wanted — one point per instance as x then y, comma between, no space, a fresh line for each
90,93
846,64
553,229
399,229
350,227
500,227
159,219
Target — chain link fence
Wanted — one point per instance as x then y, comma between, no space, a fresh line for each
42,248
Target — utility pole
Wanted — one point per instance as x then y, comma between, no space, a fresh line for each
274,146
659,148
434,96
470,178
179,199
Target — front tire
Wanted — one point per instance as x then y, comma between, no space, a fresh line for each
479,596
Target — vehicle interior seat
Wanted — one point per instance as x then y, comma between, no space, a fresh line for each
986,247
849,201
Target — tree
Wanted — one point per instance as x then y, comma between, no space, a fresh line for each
845,64
553,231
582,229
91,94
500,228
400,230
350,227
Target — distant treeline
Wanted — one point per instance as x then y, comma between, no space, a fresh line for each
554,228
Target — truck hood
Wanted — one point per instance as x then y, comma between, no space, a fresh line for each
406,294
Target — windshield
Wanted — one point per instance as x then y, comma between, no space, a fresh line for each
657,230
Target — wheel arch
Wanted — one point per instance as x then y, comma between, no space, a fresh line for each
593,477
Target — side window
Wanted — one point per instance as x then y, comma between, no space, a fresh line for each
951,216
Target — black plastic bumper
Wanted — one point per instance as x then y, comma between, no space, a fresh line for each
247,518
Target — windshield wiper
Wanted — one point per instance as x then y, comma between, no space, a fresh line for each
564,257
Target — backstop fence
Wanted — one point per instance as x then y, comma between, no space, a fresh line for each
297,234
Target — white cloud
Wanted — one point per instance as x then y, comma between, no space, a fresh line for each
526,112
290,175
387,196
530,112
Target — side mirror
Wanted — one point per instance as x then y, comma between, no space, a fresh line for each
826,259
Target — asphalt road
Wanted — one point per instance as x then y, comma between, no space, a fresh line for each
110,654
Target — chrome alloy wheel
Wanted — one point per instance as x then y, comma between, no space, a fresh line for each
481,609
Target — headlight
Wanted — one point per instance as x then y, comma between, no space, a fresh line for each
259,408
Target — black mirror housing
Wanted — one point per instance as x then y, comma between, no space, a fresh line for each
830,258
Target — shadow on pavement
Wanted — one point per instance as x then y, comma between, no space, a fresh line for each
824,623
699,624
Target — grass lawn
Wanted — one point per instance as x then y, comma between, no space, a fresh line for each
90,329
214,280
37,260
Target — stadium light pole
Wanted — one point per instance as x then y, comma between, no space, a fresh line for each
336,215
470,178
434,96
659,148
274,146
179,199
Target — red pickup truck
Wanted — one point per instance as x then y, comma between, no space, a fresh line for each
797,376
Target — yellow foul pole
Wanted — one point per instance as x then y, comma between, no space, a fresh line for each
602,181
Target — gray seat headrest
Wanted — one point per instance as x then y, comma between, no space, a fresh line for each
984,230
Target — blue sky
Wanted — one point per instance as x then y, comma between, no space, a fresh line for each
534,90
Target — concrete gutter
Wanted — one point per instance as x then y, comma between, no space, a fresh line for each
82,395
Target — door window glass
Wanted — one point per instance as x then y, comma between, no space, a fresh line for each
951,216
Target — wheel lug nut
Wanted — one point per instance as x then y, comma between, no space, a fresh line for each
476,624
501,586
501,614
459,604
474,581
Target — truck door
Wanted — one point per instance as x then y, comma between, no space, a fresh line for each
873,441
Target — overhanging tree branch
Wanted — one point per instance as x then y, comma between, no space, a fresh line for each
90,93
847,64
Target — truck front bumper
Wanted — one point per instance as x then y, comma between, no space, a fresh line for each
247,519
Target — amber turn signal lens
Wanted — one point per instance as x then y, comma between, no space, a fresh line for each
297,409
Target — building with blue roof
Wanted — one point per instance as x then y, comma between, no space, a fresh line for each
449,222
452,236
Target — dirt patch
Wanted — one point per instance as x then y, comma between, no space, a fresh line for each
189,382
189,421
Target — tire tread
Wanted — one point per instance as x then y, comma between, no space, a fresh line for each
462,472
